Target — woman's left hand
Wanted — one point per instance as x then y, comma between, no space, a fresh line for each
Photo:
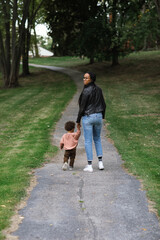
78,125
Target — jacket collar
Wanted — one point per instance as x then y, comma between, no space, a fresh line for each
89,84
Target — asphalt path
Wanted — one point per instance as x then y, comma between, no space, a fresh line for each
77,205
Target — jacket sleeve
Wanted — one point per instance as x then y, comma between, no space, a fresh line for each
104,106
82,106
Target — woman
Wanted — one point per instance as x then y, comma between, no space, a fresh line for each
92,110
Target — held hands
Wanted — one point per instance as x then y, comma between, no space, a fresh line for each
78,126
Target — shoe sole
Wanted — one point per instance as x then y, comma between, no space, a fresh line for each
87,171
65,167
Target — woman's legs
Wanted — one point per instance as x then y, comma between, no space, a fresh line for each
97,134
92,126
97,139
88,135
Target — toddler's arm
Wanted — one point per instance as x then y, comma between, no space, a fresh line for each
62,142
61,145
77,134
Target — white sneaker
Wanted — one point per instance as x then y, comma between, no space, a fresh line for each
100,165
88,168
65,166
70,168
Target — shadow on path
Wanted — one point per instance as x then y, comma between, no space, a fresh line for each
75,205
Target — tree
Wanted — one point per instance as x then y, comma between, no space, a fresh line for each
146,27
13,17
65,20
93,39
35,6
106,33
122,16
157,3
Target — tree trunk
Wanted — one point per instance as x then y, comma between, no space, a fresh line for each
91,60
17,45
25,51
115,52
115,55
14,74
13,80
7,42
145,44
3,62
35,43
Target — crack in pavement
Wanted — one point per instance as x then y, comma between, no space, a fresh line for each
84,208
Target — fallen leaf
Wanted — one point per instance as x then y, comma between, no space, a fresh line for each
144,229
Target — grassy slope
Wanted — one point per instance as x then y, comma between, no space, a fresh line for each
60,61
28,116
132,92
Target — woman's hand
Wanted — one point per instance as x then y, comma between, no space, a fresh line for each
78,126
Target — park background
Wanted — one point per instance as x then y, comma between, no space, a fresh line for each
117,40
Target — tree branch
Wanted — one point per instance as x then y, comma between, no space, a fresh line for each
157,3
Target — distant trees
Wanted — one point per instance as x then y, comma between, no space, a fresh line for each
17,17
65,19
157,3
35,6
146,28
13,16
100,29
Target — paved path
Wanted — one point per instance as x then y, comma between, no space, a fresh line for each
75,205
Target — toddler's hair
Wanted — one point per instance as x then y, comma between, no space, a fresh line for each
69,125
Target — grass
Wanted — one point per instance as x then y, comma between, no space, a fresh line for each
29,114
132,92
60,61
28,117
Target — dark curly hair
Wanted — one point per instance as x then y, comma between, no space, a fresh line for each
92,76
69,125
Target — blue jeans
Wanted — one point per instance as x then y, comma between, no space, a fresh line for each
92,125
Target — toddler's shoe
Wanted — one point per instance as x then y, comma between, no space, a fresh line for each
65,166
88,168
100,165
70,168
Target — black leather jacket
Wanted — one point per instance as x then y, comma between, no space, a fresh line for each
91,101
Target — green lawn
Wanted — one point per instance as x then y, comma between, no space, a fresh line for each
60,61
28,116
132,92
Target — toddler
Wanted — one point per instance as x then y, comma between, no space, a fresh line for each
69,142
